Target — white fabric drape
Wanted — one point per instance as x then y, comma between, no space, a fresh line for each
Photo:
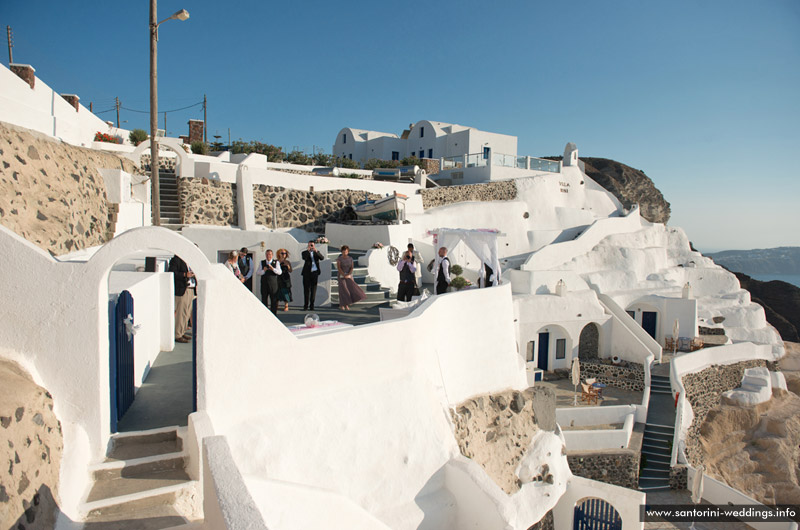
481,242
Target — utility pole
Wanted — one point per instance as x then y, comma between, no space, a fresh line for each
165,123
10,44
116,104
154,114
229,137
205,122
90,107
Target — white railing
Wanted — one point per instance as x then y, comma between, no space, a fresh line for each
501,160
584,440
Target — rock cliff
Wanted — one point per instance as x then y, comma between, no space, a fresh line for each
781,303
30,450
51,192
629,186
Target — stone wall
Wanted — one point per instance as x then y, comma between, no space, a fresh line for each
678,477
430,165
626,375
30,452
618,468
546,522
490,191
495,430
704,390
309,210
207,202
51,192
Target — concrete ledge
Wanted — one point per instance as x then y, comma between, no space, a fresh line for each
226,502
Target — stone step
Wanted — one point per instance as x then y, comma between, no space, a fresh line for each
655,427
660,378
657,456
372,297
141,444
367,287
656,436
122,507
139,466
158,517
656,466
654,473
656,447
661,392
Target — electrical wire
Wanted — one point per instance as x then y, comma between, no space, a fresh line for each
160,111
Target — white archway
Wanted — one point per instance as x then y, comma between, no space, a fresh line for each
185,163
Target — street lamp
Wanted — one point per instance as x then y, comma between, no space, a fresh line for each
180,15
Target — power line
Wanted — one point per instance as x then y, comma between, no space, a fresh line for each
172,110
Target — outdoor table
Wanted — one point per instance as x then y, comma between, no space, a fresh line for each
599,386
325,325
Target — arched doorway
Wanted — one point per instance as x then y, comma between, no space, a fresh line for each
143,352
589,342
596,514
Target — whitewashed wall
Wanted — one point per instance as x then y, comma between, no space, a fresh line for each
363,237
625,501
44,110
153,312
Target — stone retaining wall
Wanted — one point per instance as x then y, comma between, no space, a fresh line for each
490,191
207,202
30,452
51,192
628,376
619,468
704,390
678,477
309,210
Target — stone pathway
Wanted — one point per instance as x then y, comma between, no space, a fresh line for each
165,397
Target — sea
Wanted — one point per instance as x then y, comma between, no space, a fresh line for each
794,279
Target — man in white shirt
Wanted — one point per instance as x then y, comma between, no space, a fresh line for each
311,270
441,274
269,271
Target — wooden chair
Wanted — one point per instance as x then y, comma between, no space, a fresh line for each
588,394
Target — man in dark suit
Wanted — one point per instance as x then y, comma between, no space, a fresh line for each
184,294
269,271
311,269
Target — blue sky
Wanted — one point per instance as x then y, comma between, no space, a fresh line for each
701,95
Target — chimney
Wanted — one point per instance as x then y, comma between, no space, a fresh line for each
195,131
24,72
183,138
73,100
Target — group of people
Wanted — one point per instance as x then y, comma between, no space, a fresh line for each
410,273
276,272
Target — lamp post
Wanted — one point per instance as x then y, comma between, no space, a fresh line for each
180,15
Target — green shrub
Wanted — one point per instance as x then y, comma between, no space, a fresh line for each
411,161
375,163
345,163
299,157
459,282
456,269
138,136
199,148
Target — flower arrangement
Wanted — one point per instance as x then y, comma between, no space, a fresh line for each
105,137
459,282
378,245
321,240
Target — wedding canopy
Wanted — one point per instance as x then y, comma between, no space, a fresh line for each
482,242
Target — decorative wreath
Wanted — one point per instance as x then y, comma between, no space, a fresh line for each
394,255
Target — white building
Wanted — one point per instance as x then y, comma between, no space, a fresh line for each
424,139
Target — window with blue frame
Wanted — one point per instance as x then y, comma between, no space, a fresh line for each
422,132
430,153
395,155
421,153
344,138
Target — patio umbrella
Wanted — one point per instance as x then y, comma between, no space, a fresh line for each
675,330
576,378
697,487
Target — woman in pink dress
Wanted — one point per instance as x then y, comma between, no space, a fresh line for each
349,291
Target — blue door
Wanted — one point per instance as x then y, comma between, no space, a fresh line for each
649,322
121,358
544,350
596,514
